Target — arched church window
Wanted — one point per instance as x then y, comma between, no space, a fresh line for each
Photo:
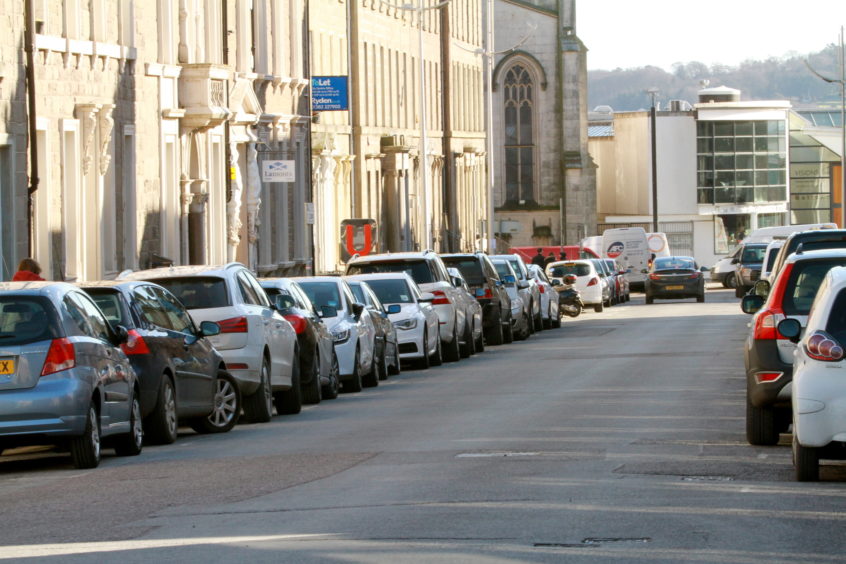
518,89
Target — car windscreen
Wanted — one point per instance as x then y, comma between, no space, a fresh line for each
109,303
515,264
805,279
27,319
417,269
358,292
391,291
322,293
752,255
197,292
502,269
470,269
575,268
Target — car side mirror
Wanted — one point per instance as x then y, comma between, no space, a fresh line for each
357,310
523,284
394,308
428,297
790,328
328,311
456,282
209,329
751,303
761,288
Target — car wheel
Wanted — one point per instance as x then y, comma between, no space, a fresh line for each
480,342
701,297
739,291
85,449
290,402
162,424
131,443
760,425
353,385
599,307
730,281
452,350
649,299
494,335
312,393
527,322
384,368
508,333
258,406
226,409
806,461
467,349
424,361
396,369
330,390
437,357
371,379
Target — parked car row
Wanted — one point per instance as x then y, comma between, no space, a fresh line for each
795,346
601,283
126,362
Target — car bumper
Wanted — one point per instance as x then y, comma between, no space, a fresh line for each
250,356
819,407
446,318
675,289
762,357
592,295
57,406
410,342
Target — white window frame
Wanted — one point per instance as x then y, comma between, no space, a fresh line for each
71,196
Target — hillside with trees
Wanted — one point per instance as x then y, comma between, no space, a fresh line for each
785,78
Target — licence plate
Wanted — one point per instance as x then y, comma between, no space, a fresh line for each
7,366
674,288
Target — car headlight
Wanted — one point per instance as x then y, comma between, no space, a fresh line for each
341,336
406,324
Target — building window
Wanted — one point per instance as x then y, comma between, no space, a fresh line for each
810,179
518,93
741,162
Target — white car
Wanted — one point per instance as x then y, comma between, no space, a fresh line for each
769,257
429,272
412,314
819,389
550,313
592,287
351,327
258,345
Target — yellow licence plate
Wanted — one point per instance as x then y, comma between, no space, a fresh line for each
7,366
675,288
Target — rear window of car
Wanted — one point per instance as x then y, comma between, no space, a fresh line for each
577,269
673,263
836,325
502,269
391,291
25,320
805,279
417,269
752,255
770,260
470,269
197,292
109,303
322,294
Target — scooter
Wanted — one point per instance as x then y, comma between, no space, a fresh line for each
569,298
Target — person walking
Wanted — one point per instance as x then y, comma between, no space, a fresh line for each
550,259
539,259
28,270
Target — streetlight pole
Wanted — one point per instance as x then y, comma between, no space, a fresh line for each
842,82
653,120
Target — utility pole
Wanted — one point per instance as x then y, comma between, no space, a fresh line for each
653,123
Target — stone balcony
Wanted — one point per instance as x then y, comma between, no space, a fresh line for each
202,94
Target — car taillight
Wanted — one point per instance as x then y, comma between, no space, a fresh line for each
694,275
440,298
484,293
765,324
542,289
134,344
593,281
233,325
654,276
60,356
822,346
298,322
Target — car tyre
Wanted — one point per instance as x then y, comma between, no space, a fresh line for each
495,333
508,334
437,357
371,379
330,390
354,385
480,342
806,461
312,392
701,297
424,362
599,307
730,281
258,406
739,291
290,402
452,350
396,369
760,425
469,346
85,449
131,443
227,406
162,424
649,299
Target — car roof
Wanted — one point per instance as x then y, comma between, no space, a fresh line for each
378,276
572,261
306,279
815,254
180,271
37,288
394,256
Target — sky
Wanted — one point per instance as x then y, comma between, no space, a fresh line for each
631,33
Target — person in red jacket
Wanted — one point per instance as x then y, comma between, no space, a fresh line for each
28,269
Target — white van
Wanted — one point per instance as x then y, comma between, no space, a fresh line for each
658,244
629,247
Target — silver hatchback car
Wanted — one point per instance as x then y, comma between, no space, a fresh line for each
63,378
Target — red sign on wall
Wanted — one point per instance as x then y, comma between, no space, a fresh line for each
358,237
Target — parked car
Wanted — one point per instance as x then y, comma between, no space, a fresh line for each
607,282
532,293
769,257
258,345
411,313
483,279
550,314
63,378
768,354
748,265
387,349
181,375
592,287
673,278
819,389
622,286
613,278
521,315
809,240
472,313
319,371
428,270
351,328
723,270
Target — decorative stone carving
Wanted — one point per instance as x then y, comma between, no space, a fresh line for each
106,124
253,194
233,206
87,116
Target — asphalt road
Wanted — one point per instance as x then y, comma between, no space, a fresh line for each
617,438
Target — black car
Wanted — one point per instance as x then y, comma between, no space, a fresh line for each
319,372
673,278
484,282
748,264
182,376
387,348
810,241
